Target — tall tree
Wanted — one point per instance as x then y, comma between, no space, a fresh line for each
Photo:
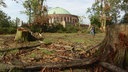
107,10
94,12
124,6
4,20
125,18
2,3
35,10
28,11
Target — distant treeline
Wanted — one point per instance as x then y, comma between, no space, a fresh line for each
7,26
53,28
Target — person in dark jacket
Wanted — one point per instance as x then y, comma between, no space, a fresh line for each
92,31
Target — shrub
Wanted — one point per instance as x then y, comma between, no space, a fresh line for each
125,18
5,30
7,26
71,29
53,28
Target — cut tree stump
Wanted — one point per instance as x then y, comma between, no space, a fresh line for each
24,34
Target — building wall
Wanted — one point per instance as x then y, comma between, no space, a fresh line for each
63,18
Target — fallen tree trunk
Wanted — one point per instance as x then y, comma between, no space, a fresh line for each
4,66
20,48
73,63
111,67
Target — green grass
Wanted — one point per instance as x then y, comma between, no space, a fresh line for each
47,52
14,51
47,41
74,37
32,55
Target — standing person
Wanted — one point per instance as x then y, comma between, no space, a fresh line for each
92,31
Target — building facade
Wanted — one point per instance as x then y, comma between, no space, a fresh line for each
62,16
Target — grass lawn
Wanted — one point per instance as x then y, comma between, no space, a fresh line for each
84,38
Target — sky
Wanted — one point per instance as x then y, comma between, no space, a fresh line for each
75,7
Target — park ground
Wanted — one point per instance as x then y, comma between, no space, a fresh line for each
7,41
55,47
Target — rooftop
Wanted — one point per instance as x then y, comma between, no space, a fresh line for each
58,10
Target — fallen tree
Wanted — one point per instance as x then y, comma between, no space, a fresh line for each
21,48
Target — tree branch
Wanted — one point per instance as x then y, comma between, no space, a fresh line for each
111,67
20,48
73,63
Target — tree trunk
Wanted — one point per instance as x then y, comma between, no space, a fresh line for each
114,48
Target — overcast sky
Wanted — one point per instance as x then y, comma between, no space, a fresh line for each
76,7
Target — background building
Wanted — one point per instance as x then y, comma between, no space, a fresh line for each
62,16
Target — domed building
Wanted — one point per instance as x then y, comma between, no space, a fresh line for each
62,16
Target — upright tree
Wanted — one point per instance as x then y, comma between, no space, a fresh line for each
35,10
2,3
4,20
124,6
107,10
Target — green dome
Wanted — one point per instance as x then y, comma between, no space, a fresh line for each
58,10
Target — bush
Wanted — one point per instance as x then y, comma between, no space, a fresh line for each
60,29
125,18
36,28
71,29
7,26
53,28
10,30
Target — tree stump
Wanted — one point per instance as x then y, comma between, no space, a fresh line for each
24,35
114,48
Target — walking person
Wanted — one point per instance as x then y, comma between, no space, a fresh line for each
92,31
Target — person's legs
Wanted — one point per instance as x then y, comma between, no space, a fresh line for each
92,33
